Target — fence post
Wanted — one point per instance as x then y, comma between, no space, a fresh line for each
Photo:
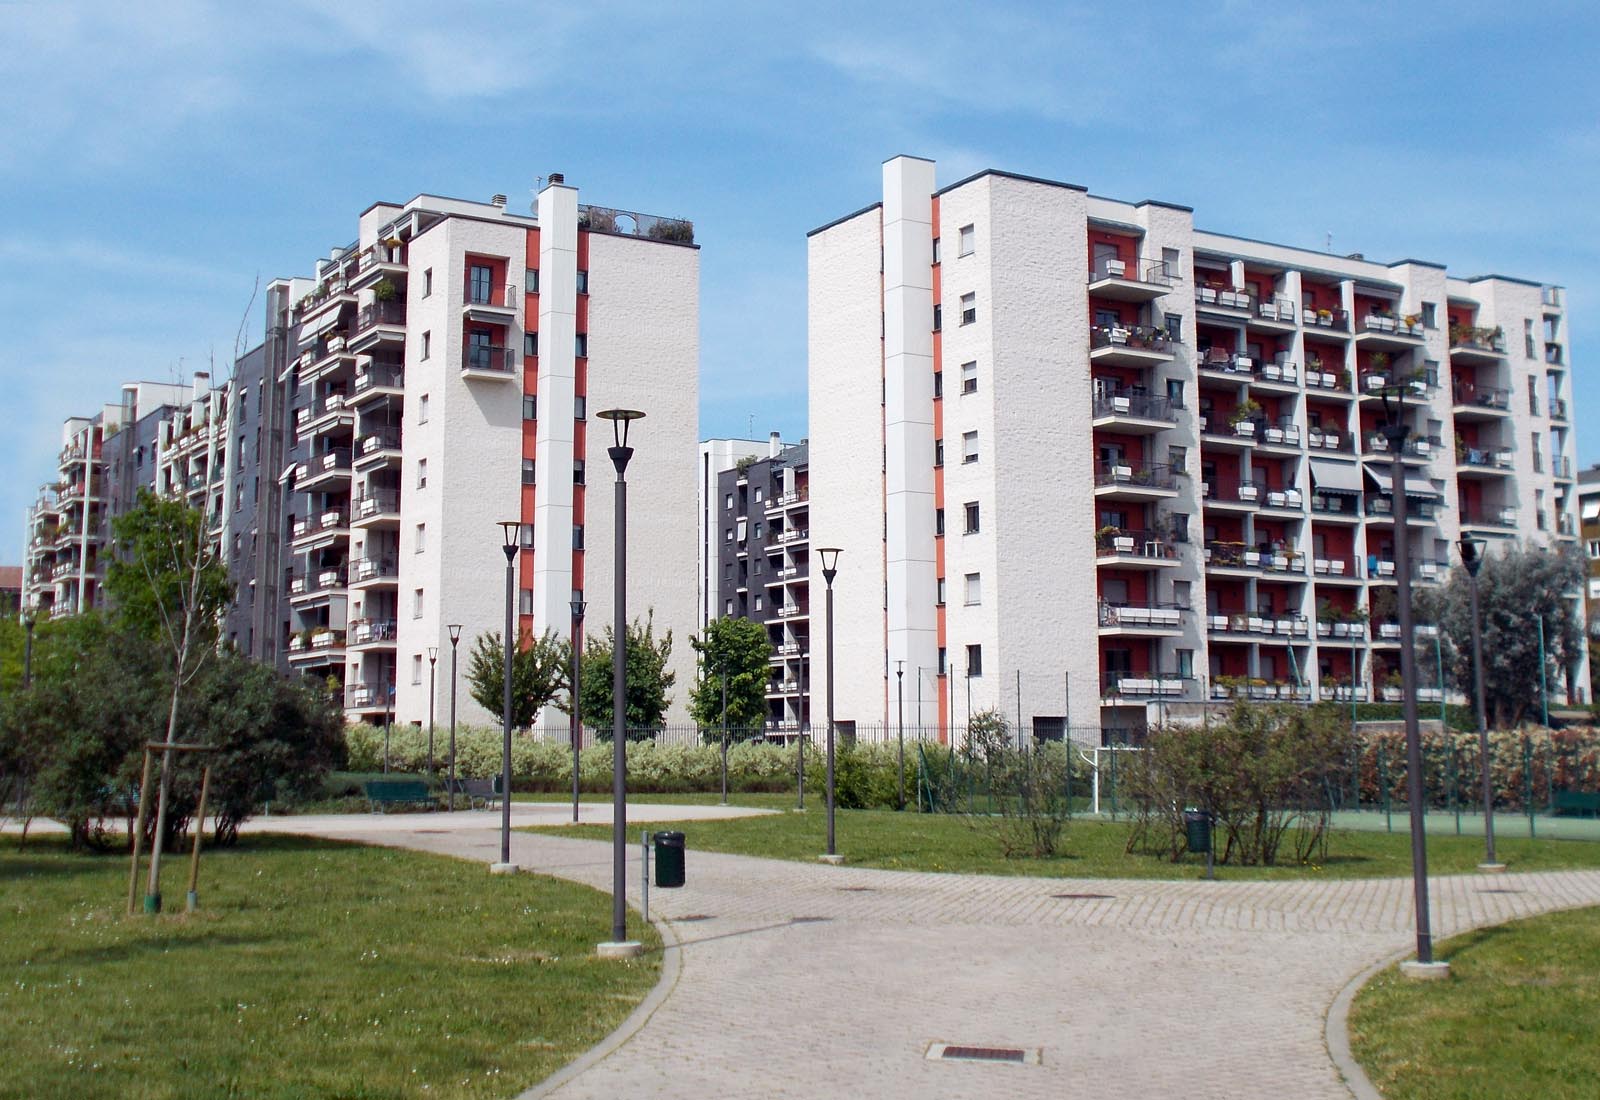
1383,787
1113,779
1455,772
1527,782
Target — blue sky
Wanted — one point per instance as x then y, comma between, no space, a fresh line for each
155,158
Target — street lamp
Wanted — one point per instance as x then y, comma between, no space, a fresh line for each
433,664
830,569
576,723
1395,432
455,642
509,529
900,695
619,945
1471,549
27,648
724,671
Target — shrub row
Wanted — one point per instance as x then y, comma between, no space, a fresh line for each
1525,766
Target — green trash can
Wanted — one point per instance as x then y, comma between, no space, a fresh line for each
669,859
1197,824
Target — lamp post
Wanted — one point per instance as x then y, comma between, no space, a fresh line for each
455,642
27,648
900,704
578,608
619,945
1471,550
724,723
1395,432
509,529
433,664
830,569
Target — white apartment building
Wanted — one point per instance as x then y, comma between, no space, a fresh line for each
1126,464
450,359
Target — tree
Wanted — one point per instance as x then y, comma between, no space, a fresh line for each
648,679
1516,589
538,673
170,586
740,649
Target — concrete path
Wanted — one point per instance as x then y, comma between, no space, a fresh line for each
801,980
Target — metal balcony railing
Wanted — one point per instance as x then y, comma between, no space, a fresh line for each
1141,406
1138,544
1482,397
380,313
1149,477
386,375
485,358
1142,615
1134,337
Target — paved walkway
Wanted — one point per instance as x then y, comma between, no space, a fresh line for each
802,980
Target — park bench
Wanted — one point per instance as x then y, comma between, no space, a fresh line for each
1577,803
392,792
475,791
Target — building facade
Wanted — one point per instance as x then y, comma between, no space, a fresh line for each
1127,465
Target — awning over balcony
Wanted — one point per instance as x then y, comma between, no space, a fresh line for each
1335,477
1415,486
323,323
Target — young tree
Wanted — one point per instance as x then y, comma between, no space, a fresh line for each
739,649
538,672
648,679
170,586
1516,590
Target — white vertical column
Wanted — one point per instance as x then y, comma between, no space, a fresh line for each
558,325
908,184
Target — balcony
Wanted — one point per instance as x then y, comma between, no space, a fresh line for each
1242,496
1261,625
780,501
791,536
1558,409
366,696
323,470
1283,434
1494,521
1134,413
1336,506
317,645
1327,322
1260,690
379,447
1227,365
1275,314
1329,439
1561,467
1469,344
306,588
331,411
1417,449
1230,301
1142,685
376,263
1138,346
1239,433
325,357
379,324
1150,620
324,527
1335,570
495,364
376,380
374,572
1475,462
492,308
1114,481
1472,402
1380,507
1327,383
1386,330
1233,557
377,508
1283,500
1114,546
1341,693
1553,355
1280,375
367,632
1143,281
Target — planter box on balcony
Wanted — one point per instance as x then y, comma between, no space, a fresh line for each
1205,489
1276,500
1245,429
1252,557
1392,694
1332,440
1243,363
1271,372
1122,473
1121,404
1314,437
1292,498
330,519
1375,381
1136,686
1164,616
1217,622
1232,299
1133,616
1388,630
1248,492
1208,294
1329,381
1118,336
1324,630
1376,323
1427,630
1341,630
1430,572
1273,435
1285,626
1386,569
1122,544
1257,624
1113,269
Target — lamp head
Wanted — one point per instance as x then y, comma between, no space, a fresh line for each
579,606
830,562
433,654
509,528
1471,548
621,420
455,633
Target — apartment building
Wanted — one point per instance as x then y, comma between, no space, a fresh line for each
1589,532
10,589
441,373
761,555
1126,465
717,456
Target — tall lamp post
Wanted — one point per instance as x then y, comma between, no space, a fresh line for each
578,608
724,725
900,698
619,946
455,643
830,569
509,529
1471,550
1395,432
433,665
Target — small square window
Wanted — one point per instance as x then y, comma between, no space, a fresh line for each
974,660
974,589
583,281
970,510
580,408
577,536
416,668
577,471
530,344
969,377
530,277
580,345
420,543
969,308
525,536
938,384
416,604
938,318
422,473
525,601
530,406
941,592
968,236
422,409
528,472
758,603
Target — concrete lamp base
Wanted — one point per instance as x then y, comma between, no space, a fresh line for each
628,949
832,861
1424,972
1491,868
503,868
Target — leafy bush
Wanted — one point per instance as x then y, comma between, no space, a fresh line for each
1525,767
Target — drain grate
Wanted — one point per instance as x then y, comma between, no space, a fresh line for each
1085,897
962,1052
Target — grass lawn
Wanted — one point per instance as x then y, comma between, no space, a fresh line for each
1093,849
760,801
312,969
1516,1017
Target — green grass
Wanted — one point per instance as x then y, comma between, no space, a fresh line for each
1516,1017
756,800
1092,849
312,969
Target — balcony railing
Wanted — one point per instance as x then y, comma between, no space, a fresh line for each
1225,297
379,439
1241,492
1167,615
1489,517
322,580
380,313
1336,319
1320,378
1326,439
485,358
1477,339
1136,544
371,569
1141,406
1284,625
367,631
1136,337
1144,684
1142,268
1381,506
325,521
1553,354
1558,408
1391,324
1482,397
375,502
1284,433
1489,459
1336,504
1227,362
1148,477
386,375
1561,466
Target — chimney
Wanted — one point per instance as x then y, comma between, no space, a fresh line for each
202,383
556,179
774,445
498,200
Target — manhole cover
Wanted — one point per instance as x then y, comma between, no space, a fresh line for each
1084,897
809,920
855,889
962,1052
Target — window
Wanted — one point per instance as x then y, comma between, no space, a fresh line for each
577,536
530,279
416,603
1170,263
416,668
973,589
969,307
427,282
727,534
968,236
420,544
524,602
422,409
427,344
1533,396
525,536
1180,527
1527,338
727,501
941,589
944,661
577,471
974,660
1178,459
938,318
530,406
480,288
530,344
580,408
938,452
1174,327
938,384
1185,663
936,250
1538,456
527,472
970,509
757,497
969,377
938,521
727,608
583,281
422,473
1429,313
758,603
969,447
580,345
1182,593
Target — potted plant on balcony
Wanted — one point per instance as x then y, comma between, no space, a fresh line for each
1208,292
1244,414
385,290
1324,317
1461,448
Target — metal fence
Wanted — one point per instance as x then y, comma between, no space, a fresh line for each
845,733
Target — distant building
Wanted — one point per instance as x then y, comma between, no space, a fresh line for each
1589,532
10,589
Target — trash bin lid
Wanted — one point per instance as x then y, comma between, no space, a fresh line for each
665,837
